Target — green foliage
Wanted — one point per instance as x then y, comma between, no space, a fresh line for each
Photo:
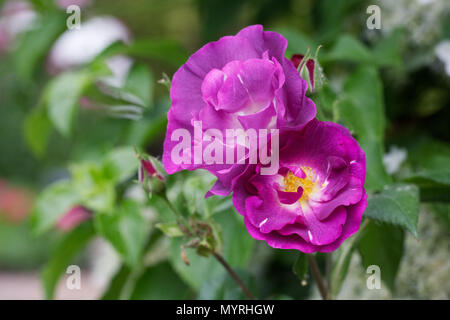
37,130
342,261
51,204
35,44
126,229
139,85
160,282
122,163
300,267
62,97
381,244
64,254
223,288
117,284
170,229
431,170
397,204
381,86
22,251
362,110
200,268
348,48
166,51
237,249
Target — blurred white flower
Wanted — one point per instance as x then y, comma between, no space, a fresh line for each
15,17
394,159
18,16
119,66
104,262
422,18
77,47
442,51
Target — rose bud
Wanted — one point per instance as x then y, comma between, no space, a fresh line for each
72,218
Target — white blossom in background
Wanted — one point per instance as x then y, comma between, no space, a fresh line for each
77,47
442,51
394,159
16,17
421,18
104,263
120,66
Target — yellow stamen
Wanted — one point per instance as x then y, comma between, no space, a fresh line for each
308,184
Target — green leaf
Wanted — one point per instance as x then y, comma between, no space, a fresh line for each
300,267
95,185
431,191
117,283
362,110
430,161
163,50
199,270
139,85
66,251
62,97
123,163
126,229
160,282
350,49
194,193
237,251
237,243
440,176
343,259
51,204
381,244
37,129
333,17
298,43
397,204
224,288
388,51
442,210
35,44
170,229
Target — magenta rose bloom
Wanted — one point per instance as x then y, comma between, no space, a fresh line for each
238,82
317,198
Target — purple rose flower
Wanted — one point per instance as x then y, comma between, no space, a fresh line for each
238,82
317,198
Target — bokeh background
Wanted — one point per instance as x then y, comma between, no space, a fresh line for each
411,54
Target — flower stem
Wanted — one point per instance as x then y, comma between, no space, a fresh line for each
317,276
233,274
180,218
328,261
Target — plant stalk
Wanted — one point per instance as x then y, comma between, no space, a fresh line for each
233,274
317,276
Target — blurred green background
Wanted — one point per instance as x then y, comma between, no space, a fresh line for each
397,78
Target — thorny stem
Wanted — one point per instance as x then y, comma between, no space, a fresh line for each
234,276
317,276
